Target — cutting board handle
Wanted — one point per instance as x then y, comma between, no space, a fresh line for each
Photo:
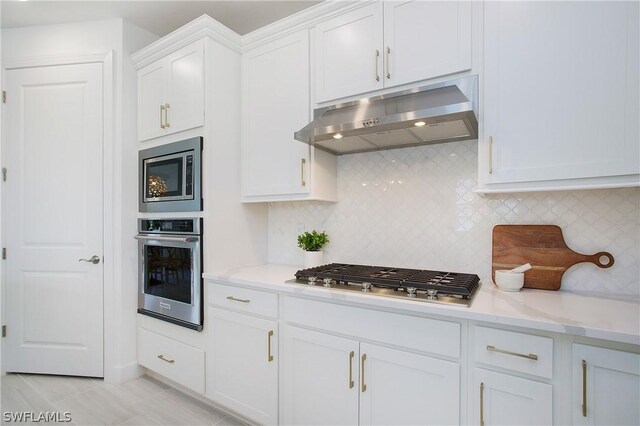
595,259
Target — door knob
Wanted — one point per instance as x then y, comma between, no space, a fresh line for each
95,259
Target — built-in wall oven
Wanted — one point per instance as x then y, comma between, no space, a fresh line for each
171,177
170,270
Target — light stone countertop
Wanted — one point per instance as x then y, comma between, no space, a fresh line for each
554,311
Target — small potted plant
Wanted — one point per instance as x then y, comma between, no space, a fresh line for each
312,243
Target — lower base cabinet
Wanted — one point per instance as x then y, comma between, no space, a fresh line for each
502,399
338,381
242,365
606,386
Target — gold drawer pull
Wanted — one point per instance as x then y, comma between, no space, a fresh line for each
162,125
481,404
303,161
269,336
351,355
166,115
363,386
238,300
584,388
170,361
502,351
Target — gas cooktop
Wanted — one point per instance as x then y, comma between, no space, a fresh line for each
414,284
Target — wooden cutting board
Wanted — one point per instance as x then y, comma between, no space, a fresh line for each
544,248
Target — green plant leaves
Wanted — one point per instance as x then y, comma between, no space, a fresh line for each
313,241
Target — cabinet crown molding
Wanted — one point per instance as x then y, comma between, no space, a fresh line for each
306,18
204,26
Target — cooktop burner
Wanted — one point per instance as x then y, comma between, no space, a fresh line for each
430,286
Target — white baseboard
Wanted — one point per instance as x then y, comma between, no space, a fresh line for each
123,373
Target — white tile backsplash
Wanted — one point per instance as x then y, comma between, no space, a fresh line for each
415,207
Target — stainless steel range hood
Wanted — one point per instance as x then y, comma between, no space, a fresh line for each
442,112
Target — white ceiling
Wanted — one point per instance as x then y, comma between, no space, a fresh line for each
158,17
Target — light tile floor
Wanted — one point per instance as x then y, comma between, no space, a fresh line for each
141,401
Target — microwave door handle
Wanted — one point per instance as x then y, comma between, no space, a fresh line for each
184,173
189,239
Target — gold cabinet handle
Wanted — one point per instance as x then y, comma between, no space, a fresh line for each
376,60
503,351
490,155
387,66
162,126
269,355
170,361
584,388
481,404
238,300
363,386
351,355
303,161
166,115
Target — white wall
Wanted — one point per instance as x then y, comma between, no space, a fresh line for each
123,39
415,207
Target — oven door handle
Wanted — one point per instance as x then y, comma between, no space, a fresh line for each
189,239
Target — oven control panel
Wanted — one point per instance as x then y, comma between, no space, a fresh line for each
170,226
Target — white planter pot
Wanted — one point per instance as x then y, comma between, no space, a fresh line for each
313,258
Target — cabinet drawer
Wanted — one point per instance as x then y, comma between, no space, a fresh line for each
422,334
176,361
520,352
244,300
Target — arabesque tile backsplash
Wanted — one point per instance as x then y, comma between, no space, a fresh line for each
415,207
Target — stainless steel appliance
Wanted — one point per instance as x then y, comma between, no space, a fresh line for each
171,177
409,284
441,112
170,270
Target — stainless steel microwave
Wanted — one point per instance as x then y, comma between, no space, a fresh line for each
170,177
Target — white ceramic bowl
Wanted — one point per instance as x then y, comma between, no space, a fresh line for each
509,281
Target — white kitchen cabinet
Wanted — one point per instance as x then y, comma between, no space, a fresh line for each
332,380
242,364
396,385
348,53
425,39
321,378
561,103
171,93
606,386
275,104
386,44
503,399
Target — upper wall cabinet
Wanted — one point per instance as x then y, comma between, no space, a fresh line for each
560,96
385,44
275,103
171,93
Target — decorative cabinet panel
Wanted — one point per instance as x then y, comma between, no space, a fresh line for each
561,105
385,44
242,364
171,93
606,386
332,380
502,399
275,99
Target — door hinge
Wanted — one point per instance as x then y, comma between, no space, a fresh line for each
4,331
4,174
4,253
4,97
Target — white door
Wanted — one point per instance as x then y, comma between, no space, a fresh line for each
349,57
151,101
606,386
185,88
502,399
425,39
276,104
398,384
321,379
561,98
242,365
53,214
